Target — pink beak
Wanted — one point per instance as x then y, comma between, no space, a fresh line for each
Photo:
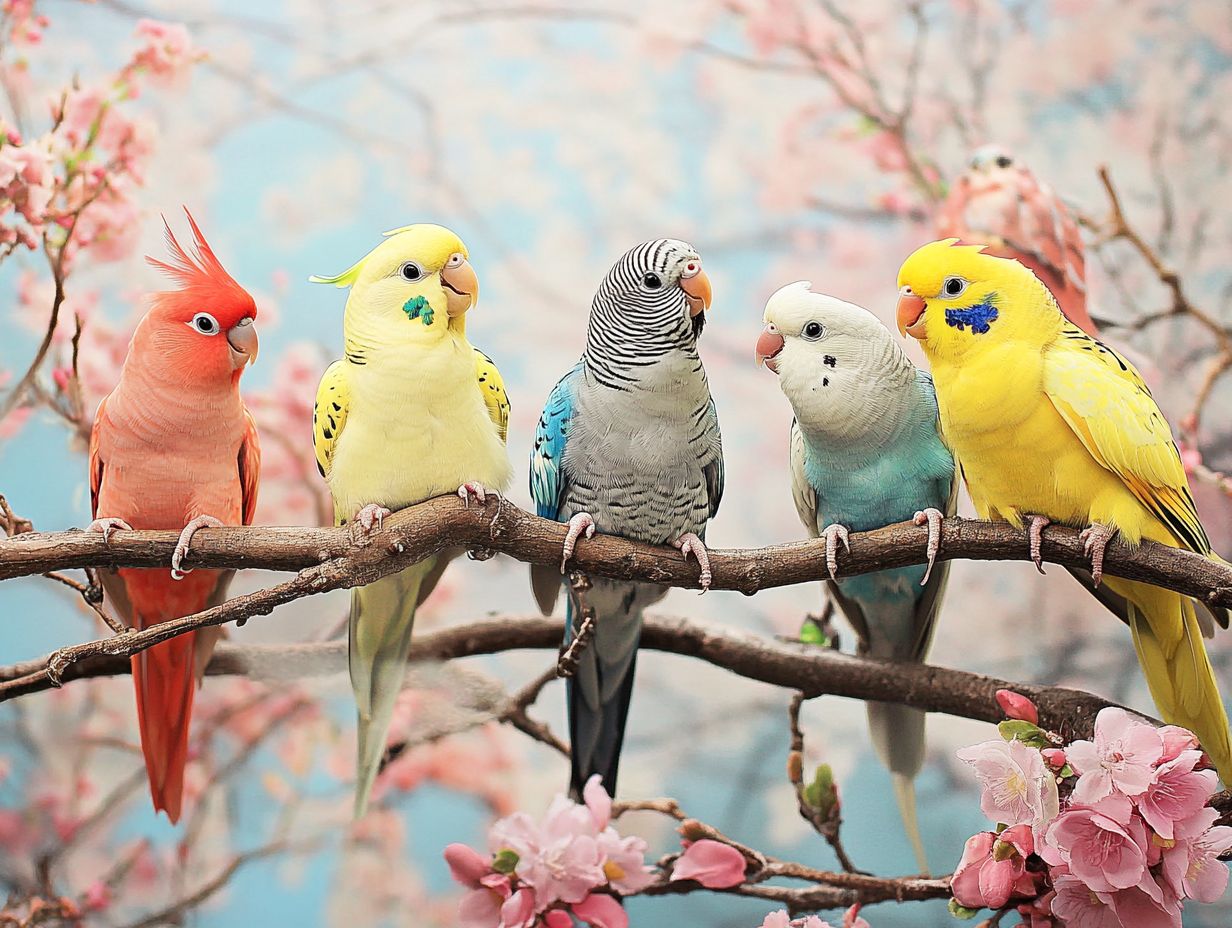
769,344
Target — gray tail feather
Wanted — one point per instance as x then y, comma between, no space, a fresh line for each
382,614
598,698
898,736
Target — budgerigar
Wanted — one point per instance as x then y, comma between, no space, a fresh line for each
866,452
411,411
628,443
174,448
1049,424
999,202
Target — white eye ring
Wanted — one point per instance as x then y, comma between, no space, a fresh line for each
952,287
812,331
204,324
692,269
457,259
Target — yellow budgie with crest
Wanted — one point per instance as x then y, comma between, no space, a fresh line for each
410,411
1050,425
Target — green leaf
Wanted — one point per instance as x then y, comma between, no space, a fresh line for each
1066,772
821,794
505,861
1029,734
961,911
811,633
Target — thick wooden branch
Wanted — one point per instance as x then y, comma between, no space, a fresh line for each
813,670
444,522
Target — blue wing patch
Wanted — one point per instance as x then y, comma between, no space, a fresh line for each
547,483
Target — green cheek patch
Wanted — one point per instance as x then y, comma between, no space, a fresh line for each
418,308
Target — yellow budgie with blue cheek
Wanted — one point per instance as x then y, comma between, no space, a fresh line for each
411,411
1050,425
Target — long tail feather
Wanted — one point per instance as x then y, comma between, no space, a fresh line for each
1168,638
165,682
599,695
897,734
382,614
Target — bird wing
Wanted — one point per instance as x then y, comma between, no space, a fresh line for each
96,461
713,470
802,492
1110,408
493,387
547,479
250,468
329,414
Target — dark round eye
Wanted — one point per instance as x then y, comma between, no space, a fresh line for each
652,281
410,271
1004,161
813,331
953,286
205,324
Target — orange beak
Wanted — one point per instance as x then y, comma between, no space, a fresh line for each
696,287
910,314
461,285
769,344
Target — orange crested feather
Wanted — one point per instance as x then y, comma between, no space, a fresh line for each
202,279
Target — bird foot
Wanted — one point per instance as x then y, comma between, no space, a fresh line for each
689,543
477,490
1095,538
1036,525
181,547
933,518
107,526
833,534
580,524
369,519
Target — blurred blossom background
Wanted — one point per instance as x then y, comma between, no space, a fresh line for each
786,140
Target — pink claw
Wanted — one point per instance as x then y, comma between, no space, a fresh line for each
1036,525
1095,539
369,519
477,490
108,525
186,536
833,534
580,524
933,517
689,543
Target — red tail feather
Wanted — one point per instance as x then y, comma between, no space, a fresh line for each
165,683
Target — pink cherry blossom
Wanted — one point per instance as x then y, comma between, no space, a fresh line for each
601,911
1078,906
712,863
557,918
1191,866
1103,853
1177,792
1122,756
1017,706
518,911
597,801
1017,787
852,919
167,51
994,868
624,862
779,919
466,865
1176,740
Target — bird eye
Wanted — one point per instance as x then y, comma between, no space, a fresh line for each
457,259
410,271
205,324
813,331
954,286
1004,161
652,281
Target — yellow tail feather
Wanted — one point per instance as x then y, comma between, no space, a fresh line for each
1178,671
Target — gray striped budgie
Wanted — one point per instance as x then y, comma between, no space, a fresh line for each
629,444
866,452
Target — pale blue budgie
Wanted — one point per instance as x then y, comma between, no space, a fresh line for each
866,452
629,444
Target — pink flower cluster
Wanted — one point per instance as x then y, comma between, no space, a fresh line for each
1130,842
572,863
782,919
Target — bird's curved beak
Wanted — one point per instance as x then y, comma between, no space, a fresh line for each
242,337
911,314
696,287
461,285
769,344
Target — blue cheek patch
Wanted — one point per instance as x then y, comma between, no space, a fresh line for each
418,308
980,317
